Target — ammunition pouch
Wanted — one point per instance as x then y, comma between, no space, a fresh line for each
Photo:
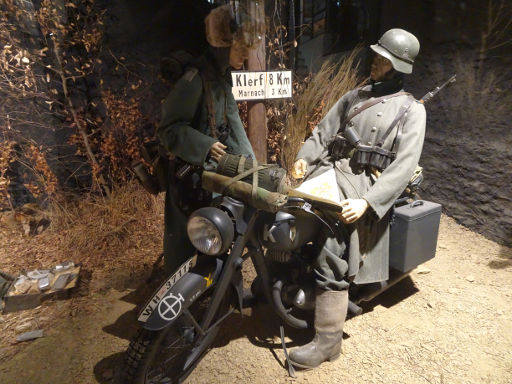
373,156
362,155
365,156
152,173
146,179
185,179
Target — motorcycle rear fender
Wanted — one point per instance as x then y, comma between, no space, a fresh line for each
180,296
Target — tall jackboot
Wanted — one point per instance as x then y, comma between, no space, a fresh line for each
330,312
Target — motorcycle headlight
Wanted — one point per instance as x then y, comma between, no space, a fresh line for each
210,230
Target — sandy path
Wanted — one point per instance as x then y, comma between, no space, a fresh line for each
450,322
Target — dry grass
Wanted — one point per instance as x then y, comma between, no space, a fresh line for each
116,240
122,232
325,88
97,225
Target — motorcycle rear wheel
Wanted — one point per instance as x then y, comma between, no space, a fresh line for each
168,356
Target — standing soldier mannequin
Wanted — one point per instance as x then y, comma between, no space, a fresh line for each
200,121
372,137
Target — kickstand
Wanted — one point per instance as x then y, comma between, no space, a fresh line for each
291,370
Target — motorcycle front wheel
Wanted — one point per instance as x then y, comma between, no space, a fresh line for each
168,356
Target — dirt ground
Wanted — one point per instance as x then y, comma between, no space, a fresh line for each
450,322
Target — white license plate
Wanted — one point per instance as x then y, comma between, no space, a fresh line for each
169,283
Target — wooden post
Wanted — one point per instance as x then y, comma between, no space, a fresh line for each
256,112
291,33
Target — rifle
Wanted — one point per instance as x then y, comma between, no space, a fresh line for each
425,99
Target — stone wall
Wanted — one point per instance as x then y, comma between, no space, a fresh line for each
467,155
472,180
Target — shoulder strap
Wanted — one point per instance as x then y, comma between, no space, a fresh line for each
399,115
398,137
209,104
368,105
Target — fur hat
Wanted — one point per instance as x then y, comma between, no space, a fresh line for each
218,27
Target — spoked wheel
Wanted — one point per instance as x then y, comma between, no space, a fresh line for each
169,355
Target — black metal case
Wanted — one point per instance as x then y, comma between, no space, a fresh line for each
413,237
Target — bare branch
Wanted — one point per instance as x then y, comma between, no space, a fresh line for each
77,121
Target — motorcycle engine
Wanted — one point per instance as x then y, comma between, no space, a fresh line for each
279,256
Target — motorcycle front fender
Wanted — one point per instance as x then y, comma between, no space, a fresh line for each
166,306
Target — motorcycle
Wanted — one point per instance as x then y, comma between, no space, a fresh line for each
181,320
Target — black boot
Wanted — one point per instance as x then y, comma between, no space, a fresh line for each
330,313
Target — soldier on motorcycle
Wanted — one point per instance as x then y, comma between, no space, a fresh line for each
372,137
200,121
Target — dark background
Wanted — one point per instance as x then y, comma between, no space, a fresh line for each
466,156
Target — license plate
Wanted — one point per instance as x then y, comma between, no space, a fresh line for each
168,284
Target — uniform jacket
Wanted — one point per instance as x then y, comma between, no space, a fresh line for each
185,132
368,251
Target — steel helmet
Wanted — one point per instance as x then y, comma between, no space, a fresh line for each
400,47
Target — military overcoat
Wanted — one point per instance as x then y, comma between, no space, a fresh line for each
184,131
368,238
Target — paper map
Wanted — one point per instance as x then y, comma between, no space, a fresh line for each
324,186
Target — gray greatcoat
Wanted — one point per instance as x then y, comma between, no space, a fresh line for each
368,238
185,132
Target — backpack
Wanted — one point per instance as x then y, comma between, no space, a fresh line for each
175,65
155,179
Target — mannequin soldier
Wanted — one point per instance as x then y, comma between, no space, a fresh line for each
200,122
374,150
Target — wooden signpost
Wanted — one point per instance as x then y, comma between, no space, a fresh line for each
256,85
256,112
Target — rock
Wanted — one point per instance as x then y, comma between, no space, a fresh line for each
423,270
26,228
470,278
30,335
24,327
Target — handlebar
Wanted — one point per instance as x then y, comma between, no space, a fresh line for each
185,169
296,200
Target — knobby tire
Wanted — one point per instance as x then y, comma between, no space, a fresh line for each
147,346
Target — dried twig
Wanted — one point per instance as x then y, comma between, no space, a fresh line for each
78,123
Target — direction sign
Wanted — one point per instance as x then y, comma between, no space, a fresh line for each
249,85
